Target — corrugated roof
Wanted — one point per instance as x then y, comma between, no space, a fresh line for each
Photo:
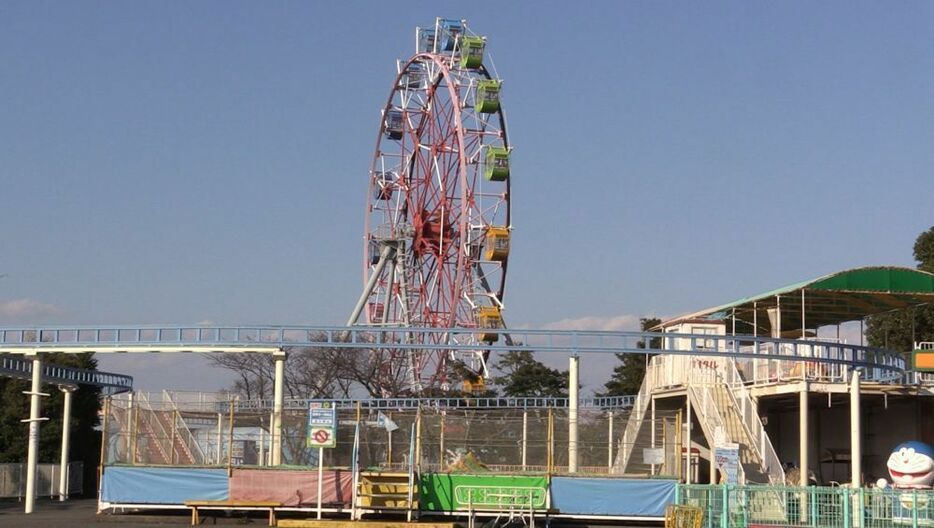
836,298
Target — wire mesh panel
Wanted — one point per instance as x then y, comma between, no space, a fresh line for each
514,435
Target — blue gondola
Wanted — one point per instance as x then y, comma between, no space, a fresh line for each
450,30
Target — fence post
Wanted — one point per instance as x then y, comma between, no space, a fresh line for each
845,492
725,506
813,505
914,508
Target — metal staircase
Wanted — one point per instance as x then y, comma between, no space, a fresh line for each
723,407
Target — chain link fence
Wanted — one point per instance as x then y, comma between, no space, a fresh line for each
13,480
220,430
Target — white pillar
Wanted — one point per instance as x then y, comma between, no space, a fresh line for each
278,395
573,400
33,421
689,444
609,444
525,436
803,463
856,451
66,433
262,444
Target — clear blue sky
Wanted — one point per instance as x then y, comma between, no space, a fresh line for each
191,161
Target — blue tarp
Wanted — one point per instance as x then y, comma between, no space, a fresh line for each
138,485
607,496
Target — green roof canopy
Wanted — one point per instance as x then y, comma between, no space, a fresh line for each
832,299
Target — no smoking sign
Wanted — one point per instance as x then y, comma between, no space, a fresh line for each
322,425
321,437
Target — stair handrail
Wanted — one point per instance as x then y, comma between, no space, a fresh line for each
636,416
748,408
706,405
144,398
188,439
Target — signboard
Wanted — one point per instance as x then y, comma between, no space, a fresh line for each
452,492
727,458
922,360
653,455
322,425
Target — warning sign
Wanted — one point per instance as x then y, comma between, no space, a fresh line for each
322,425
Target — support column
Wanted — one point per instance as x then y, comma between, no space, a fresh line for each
856,450
278,395
525,436
33,421
573,400
803,463
609,443
66,433
688,458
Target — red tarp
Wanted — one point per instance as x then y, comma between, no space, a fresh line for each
291,488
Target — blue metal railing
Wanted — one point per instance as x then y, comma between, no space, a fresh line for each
602,403
111,383
230,338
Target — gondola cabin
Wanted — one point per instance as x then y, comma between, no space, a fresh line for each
497,244
393,124
472,52
450,31
487,96
489,317
426,41
496,164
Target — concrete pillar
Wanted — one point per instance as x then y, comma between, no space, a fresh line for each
856,449
32,456
803,434
573,401
66,434
278,395
525,436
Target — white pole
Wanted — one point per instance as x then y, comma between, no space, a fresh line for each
573,400
525,436
856,452
689,443
33,451
66,433
803,434
609,444
320,478
278,388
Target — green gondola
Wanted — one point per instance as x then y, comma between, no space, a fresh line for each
496,166
487,96
472,52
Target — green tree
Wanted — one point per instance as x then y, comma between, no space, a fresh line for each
899,330
523,375
627,376
85,441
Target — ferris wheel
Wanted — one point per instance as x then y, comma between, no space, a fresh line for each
437,232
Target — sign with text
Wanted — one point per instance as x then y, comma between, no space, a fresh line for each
727,458
322,425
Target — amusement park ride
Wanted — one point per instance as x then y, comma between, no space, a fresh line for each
437,235
436,248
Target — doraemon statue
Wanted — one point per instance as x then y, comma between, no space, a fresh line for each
911,465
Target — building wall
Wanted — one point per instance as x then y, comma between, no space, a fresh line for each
829,427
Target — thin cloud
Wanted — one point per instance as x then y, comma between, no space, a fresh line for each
20,308
622,322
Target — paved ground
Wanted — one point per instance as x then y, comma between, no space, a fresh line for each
82,513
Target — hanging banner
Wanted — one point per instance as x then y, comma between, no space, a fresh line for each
385,422
322,425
